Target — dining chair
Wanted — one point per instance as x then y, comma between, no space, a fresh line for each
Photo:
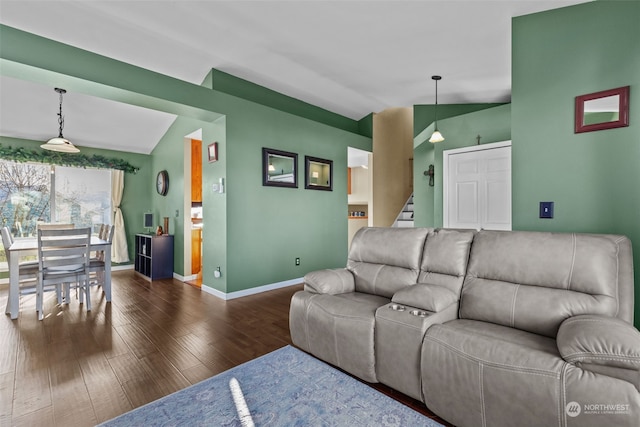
27,271
54,226
63,259
96,264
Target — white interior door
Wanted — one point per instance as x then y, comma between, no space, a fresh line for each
477,187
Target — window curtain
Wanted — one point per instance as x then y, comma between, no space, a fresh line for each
119,248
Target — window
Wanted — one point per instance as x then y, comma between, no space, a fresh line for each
31,193
82,196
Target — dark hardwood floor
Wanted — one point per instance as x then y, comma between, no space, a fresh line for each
78,369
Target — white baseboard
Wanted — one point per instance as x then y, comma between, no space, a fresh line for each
251,291
184,278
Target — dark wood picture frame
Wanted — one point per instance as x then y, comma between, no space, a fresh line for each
318,173
212,152
623,110
279,168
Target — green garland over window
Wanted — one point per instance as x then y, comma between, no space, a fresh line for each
65,159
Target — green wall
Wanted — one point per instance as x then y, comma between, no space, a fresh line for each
138,187
592,177
254,233
268,227
169,155
491,122
423,115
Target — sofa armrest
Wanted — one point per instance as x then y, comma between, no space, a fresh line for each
425,296
591,340
338,281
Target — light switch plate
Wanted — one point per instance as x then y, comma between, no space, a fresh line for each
546,209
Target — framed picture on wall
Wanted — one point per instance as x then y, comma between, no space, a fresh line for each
279,168
318,174
212,151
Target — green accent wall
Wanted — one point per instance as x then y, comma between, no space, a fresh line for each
592,177
423,115
268,227
252,232
492,123
138,187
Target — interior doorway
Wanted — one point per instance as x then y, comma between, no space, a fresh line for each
477,187
193,218
359,190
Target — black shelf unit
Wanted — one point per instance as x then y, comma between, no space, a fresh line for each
154,256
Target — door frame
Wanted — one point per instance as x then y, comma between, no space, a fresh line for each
445,171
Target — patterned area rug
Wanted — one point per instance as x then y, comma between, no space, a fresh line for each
284,388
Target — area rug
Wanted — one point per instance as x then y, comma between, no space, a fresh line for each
284,388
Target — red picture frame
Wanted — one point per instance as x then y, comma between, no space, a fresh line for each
212,152
623,110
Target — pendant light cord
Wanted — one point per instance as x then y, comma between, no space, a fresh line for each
60,116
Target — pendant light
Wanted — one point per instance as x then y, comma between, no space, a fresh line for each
436,136
60,143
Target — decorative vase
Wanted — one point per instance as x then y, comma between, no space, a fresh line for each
166,225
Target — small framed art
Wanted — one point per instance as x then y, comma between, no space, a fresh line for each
212,151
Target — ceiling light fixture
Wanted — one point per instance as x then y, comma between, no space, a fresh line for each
60,143
436,136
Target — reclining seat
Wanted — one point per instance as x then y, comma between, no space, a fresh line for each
401,325
333,318
544,335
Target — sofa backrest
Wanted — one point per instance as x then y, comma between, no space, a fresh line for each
534,280
385,260
445,258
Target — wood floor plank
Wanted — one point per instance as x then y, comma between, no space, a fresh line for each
9,338
6,397
32,388
79,368
105,391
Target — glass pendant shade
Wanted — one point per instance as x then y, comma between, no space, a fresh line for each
60,144
436,137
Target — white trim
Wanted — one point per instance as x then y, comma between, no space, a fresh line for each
252,291
184,278
445,171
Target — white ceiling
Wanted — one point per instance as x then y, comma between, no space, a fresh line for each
349,57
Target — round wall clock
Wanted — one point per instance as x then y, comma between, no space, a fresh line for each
162,183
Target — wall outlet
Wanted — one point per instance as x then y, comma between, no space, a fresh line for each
298,261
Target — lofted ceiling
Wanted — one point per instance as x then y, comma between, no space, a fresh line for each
349,57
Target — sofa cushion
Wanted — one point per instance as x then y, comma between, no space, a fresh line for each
445,258
340,330
478,373
385,260
533,280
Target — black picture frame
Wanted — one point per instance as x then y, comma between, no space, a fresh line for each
318,174
279,168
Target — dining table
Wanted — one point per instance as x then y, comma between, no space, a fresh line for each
26,246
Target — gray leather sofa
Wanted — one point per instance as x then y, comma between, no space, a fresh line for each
487,329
